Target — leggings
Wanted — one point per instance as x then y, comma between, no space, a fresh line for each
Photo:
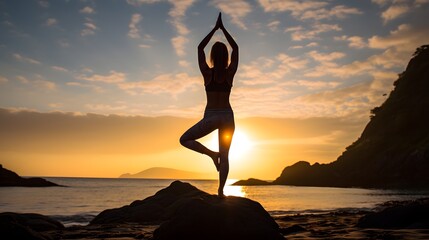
221,119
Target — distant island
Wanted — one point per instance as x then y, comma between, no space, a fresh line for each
393,149
169,173
9,178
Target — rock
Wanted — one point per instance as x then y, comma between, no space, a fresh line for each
189,213
408,214
251,182
11,179
27,225
293,229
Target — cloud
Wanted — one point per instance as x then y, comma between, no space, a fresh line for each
138,3
105,107
404,38
177,13
144,46
45,84
87,10
397,8
296,7
298,32
389,59
179,43
172,84
55,105
60,69
320,57
339,11
184,63
51,22
354,41
21,58
113,77
89,29
419,3
38,81
394,12
237,10
134,32
63,43
274,25
352,101
22,79
398,47
381,2
265,71
96,88
3,80
44,3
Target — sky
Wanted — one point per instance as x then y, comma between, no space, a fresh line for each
309,73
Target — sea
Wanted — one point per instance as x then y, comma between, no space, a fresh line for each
83,198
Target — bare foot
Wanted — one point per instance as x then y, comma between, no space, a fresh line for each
215,157
220,193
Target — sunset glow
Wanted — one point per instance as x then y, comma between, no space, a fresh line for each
240,147
101,88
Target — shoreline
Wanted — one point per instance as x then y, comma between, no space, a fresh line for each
327,225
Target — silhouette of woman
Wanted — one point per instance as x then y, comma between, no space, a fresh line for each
218,113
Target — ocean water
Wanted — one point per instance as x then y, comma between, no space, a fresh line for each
84,198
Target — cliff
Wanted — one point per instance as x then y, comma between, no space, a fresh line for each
393,150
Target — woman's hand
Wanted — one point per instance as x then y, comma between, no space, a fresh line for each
219,23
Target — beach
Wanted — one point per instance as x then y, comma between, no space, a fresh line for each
333,225
300,212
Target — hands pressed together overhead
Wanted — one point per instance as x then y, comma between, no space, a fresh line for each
219,23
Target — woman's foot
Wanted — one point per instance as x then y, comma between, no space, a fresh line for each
215,157
220,193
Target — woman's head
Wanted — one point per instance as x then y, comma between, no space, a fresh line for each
219,55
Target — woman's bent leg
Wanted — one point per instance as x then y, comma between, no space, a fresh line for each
199,130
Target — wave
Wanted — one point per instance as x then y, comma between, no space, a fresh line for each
74,220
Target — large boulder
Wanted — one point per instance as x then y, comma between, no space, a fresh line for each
186,212
27,226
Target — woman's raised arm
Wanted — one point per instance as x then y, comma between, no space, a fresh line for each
201,55
234,54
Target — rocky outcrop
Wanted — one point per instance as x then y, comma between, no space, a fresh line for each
186,212
27,226
393,149
251,182
11,179
399,215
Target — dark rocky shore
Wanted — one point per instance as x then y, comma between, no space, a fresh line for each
182,211
11,179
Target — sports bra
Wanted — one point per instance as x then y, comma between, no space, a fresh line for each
214,86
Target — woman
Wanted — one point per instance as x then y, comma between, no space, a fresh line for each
218,113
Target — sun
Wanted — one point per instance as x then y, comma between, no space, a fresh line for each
240,146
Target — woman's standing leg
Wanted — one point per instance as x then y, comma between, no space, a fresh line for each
225,138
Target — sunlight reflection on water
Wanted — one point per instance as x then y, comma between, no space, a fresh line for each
229,190
237,191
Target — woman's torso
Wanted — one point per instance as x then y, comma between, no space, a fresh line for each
218,99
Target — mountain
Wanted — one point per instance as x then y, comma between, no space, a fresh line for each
169,173
9,178
393,149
